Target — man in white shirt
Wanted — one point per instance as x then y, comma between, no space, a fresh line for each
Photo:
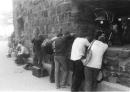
23,53
93,67
77,53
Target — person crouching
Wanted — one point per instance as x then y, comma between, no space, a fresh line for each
23,54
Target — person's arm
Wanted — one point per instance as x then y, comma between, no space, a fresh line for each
104,57
21,52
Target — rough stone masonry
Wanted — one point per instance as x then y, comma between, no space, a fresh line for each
70,15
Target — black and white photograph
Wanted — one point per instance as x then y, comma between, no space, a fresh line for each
65,45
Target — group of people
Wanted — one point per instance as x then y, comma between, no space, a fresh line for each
70,54
67,53
87,73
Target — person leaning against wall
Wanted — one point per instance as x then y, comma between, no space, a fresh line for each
77,53
92,68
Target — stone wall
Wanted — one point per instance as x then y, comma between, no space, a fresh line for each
117,65
50,16
70,15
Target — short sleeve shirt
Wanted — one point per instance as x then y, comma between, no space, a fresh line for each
78,48
98,49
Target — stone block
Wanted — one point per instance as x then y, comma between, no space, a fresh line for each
59,11
111,53
124,81
58,2
127,67
45,13
124,54
67,17
66,7
52,11
123,75
61,18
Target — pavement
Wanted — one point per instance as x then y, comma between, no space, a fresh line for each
15,78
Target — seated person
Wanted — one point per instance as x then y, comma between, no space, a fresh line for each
22,54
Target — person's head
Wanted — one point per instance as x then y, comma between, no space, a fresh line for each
59,35
102,38
66,33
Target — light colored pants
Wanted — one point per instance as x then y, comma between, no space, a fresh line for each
60,63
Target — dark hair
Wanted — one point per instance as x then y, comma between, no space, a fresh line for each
102,39
59,34
66,33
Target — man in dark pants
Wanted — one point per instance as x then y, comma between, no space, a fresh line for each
77,53
60,47
92,68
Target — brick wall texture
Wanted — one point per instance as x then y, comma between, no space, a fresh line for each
72,16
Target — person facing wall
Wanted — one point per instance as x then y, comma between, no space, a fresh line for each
59,46
92,68
77,54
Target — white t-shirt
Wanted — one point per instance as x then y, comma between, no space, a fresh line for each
23,50
79,48
98,49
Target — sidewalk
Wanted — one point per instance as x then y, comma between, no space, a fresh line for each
15,78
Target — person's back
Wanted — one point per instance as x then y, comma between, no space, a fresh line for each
92,68
98,49
59,46
23,49
77,53
78,48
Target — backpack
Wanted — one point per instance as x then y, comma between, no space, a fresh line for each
48,48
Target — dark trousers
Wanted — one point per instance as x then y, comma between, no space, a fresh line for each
24,56
91,78
52,75
21,59
37,59
60,62
78,76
